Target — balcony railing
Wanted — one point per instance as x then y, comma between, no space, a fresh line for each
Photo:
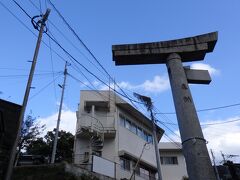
93,124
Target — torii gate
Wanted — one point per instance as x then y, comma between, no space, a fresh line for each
173,53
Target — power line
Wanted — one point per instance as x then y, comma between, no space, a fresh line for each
74,59
207,109
224,122
172,141
94,89
110,87
68,40
33,32
168,128
43,88
51,58
79,39
25,75
206,124
89,51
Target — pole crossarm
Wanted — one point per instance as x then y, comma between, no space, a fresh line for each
190,49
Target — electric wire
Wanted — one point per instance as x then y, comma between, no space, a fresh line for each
100,79
21,69
30,29
169,129
40,6
123,94
223,122
207,124
68,40
52,67
207,109
25,75
79,39
43,88
92,88
172,141
89,51
64,60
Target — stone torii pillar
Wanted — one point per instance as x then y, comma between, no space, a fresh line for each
173,53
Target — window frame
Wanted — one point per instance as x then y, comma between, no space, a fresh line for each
128,124
125,164
133,128
169,160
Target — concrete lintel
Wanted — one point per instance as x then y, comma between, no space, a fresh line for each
195,76
190,49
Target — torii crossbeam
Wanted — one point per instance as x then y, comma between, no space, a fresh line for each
173,53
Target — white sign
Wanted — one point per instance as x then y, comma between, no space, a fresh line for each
103,166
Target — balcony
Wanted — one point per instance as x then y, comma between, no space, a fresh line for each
89,124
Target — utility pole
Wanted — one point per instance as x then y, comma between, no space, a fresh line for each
59,117
27,92
148,103
215,167
156,146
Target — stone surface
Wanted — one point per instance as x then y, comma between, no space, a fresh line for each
196,76
190,49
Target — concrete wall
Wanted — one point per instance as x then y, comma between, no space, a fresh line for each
125,140
173,171
133,145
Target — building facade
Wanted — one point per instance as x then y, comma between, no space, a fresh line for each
110,128
173,164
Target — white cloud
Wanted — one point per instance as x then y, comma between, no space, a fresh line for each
203,66
220,137
223,137
157,85
67,123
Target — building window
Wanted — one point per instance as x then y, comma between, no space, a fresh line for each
150,138
145,136
137,169
139,131
122,121
133,128
125,164
169,160
127,124
144,173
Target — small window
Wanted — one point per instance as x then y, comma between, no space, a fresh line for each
134,128
144,173
145,136
150,138
139,132
137,169
127,124
122,120
125,164
169,160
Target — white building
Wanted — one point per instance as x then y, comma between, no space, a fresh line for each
110,128
173,164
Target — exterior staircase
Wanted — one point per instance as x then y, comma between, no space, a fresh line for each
94,132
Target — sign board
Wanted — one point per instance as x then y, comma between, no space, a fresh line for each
103,166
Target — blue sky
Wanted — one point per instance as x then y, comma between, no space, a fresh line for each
101,24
